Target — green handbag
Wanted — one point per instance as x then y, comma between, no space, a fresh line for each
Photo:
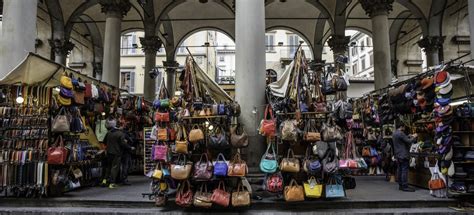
164,103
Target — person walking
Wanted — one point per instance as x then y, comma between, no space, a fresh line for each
127,156
401,144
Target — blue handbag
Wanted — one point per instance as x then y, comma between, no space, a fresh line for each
220,167
221,109
269,164
334,188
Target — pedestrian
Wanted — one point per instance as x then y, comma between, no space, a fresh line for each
402,144
127,156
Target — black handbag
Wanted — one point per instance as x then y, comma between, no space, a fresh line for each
218,140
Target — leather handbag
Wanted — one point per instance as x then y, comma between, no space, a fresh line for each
157,172
312,189
331,132
61,123
202,198
436,183
311,165
181,142
57,154
184,196
162,117
181,169
160,151
268,163
290,164
241,197
237,167
294,192
196,134
268,124
203,169
220,196
289,130
274,183
310,132
218,140
162,134
330,162
334,188
220,167
238,137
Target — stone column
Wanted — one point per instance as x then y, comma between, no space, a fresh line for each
431,46
250,72
339,44
171,67
61,49
18,34
150,45
471,25
378,11
114,11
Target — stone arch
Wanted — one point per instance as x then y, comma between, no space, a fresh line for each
297,32
361,29
205,28
77,13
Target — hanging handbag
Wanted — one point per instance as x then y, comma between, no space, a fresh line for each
241,197
268,163
274,183
331,133
294,192
160,152
181,169
218,140
61,122
436,183
79,97
330,162
334,188
220,167
237,166
202,198
289,130
238,137
366,151
57,154
184,197
311,166
181,142
157,172
310,133
268,126
290,164
162,134
162,117
160,200
220,196
66,81
312,189
196,134
203,169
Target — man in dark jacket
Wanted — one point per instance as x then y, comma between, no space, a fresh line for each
401,145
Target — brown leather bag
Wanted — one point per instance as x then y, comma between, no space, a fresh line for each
202,198
79,97
294,192
184,197
196,134
311,134
237,167
241,197
290,164
220,196
238,137
180,170
181,142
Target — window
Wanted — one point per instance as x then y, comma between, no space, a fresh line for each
270,42
371,59
129,43
354,51
355,69
362,45
293,42
221,59
181,50
127,81
362,61
369,41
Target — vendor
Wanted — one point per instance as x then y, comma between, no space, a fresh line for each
401,144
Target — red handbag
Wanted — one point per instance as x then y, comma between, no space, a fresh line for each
88,91
57,154
172,134
184,198
274,183
220,196
162,117
268,127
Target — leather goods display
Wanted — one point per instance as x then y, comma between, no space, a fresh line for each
160,151
220,196
61,122
184,196
196,134
311,134
162,117
202,198
268,124
334,188
181,142
290,163
268,163
57,154
220,167
312,189
238,137
436,183
274,183
241,197
218,140
289,130
181,169
331,132
203,169
293,192
237,166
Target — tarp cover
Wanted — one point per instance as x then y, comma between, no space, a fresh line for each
205,82
279,88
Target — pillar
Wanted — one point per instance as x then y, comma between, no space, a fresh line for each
378,11
471,25
171,68
250,75
150,45
339,44
114,11
61,49
18,34
431,46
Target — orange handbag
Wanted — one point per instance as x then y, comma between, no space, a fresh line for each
162,134
366,152
436,183
162,117
237,167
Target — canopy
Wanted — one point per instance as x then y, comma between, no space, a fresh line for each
279,88
206,82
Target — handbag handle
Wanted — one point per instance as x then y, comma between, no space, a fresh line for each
221,185
181,188
241,187
184,159
293,182
237,158
203,188
158,166
204,155
60,141
312,179
288,153
268,148
220,157
267,110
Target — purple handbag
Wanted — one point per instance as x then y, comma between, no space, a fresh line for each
203,169
220,167
66,93
160,152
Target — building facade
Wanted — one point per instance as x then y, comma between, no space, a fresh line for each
361,58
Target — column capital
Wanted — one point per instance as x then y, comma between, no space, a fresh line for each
151,44
170,65
316,64
431,43
117,8
61,46
339,43
377,7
